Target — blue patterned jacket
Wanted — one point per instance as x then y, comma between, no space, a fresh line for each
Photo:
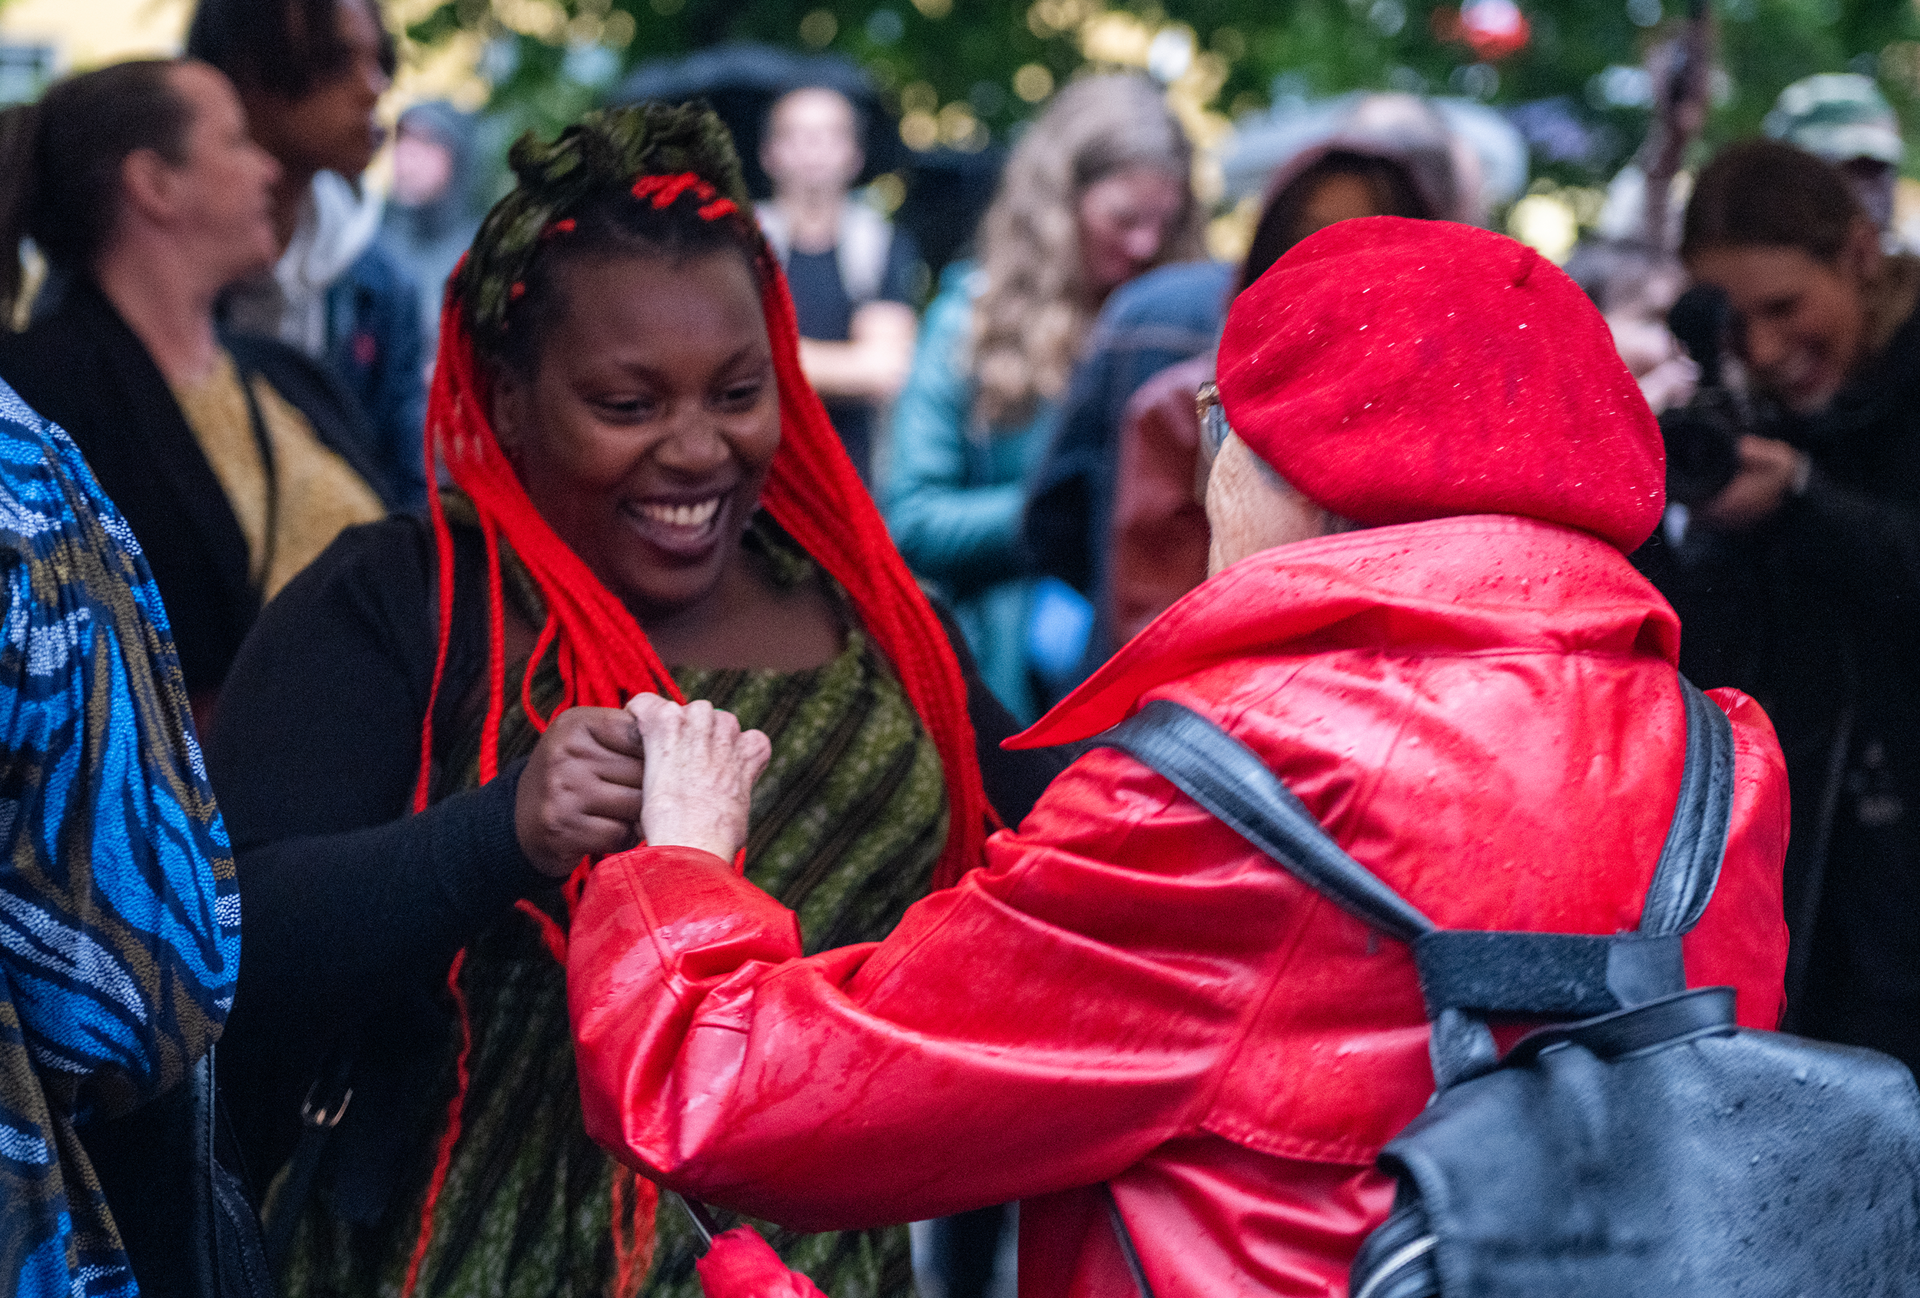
119,907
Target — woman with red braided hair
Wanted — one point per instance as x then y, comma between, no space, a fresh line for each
420,751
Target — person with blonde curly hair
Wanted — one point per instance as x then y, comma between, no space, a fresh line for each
1096,192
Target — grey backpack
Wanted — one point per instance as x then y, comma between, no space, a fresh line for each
1645,1146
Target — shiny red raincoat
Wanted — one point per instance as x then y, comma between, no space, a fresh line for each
1481,709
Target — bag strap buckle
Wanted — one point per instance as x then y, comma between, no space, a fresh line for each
324,1117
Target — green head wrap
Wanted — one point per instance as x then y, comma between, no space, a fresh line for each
602,154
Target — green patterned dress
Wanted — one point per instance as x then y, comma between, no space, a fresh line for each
846,825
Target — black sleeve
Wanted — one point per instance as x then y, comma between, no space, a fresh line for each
313,755
1014,779
1867,544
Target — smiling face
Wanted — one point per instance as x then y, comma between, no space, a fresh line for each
649,422
1802,322
1124,221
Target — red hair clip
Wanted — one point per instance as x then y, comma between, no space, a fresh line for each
663,190
566,225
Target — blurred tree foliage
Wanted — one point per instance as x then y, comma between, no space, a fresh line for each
963,72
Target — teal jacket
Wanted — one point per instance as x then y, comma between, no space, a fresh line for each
954,493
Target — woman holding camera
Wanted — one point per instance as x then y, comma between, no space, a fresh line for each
1799,580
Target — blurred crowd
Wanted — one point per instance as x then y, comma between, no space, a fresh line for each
257,357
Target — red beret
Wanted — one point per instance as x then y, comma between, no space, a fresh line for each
1397,370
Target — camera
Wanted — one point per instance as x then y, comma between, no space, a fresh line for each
1703,436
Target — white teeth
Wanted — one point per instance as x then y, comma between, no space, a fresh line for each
682,515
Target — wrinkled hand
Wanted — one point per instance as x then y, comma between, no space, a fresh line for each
700,772
1767,471
580,794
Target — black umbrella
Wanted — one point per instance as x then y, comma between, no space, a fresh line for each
743,79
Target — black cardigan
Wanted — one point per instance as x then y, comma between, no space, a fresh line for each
353,907
84,368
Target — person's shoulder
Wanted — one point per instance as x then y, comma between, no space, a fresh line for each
35,453
379,575
56,342
1186,292
954,292
305,383
33,355
960,281
258,352
313,389
1170,390
49,491
378,271
950,313
396,550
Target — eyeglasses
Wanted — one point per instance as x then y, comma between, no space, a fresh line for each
1213,419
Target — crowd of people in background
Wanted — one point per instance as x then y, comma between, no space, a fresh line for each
404,628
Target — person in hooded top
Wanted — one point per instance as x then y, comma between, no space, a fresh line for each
310,75
1422,618
432,213
421,744
1798,576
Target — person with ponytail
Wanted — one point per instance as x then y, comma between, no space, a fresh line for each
234,460
421,751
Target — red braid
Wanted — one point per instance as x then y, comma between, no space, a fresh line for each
817,496
605,657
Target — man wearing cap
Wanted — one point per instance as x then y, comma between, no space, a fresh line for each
1843,118
1421,616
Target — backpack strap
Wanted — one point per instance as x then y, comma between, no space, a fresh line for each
1227,778
1468,975
1696,845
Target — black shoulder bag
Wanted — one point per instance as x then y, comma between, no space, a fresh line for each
183,1216
1644,1146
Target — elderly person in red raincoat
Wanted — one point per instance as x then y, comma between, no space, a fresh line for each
1420,614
